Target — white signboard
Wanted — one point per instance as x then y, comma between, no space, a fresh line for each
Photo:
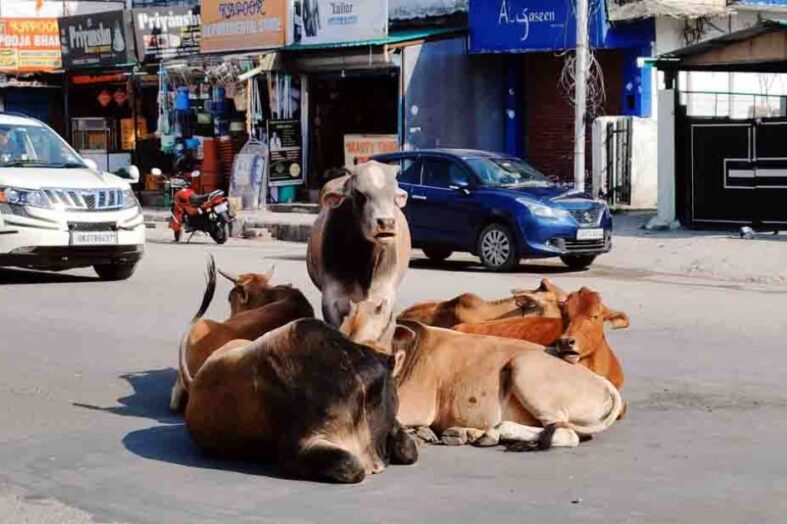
631,9
334,21
359,148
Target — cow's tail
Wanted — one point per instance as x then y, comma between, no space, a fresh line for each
612,416
210,290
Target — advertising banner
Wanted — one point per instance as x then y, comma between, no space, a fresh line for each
284,145
329,21
163,33
98,39
237,25
359,148
29,45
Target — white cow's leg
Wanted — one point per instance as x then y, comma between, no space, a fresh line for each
510,432
177,397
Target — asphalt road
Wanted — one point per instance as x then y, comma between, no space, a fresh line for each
85,433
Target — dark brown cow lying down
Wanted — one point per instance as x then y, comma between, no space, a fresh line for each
305,396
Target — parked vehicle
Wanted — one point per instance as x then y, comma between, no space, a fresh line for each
497,207
192,211
58,210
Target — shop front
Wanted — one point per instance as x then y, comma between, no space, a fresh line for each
30,66
534,35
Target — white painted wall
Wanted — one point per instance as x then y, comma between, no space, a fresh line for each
56,8
666,162
408,9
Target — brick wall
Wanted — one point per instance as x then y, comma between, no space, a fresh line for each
549,116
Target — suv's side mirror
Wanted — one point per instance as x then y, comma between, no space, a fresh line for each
133,174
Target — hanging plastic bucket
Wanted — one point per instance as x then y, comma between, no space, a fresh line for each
182,99
287,194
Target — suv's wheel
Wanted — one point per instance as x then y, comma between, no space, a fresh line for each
496,248
578,261
115,271
438,254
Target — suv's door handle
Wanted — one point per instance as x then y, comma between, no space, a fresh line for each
418,197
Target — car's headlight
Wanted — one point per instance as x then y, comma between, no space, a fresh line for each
542,211
24,197
129,199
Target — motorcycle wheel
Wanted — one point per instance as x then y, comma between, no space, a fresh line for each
219,232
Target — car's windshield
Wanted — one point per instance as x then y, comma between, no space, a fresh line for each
35,146
507,172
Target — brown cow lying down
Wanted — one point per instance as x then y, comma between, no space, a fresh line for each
471,309
578,337
488,390
303,395
275,306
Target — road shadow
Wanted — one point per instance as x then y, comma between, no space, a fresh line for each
467,266
25,276
172,443
149,399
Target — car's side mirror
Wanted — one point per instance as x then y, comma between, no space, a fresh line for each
133,174
91,164
462,189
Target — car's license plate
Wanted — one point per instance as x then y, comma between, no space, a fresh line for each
221,208
94,238
590,234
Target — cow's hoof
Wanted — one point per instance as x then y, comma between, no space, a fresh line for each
426,435
474,435
487,441
454,437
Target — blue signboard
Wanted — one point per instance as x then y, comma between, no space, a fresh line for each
547,25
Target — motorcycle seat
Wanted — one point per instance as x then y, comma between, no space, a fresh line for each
198,200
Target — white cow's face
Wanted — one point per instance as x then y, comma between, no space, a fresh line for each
375,196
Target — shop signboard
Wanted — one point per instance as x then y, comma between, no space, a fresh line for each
546,25
98,39
329,21
243,24
284,146
360,148
29,45
164,33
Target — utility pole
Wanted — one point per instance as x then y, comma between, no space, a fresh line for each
580,94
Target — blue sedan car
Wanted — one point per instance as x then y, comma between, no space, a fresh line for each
499,208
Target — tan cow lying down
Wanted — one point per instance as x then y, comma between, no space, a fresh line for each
257,308
304,396
488,390
471,309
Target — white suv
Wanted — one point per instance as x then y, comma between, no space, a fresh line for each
58,211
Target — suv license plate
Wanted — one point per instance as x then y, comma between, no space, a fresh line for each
590,234
94,238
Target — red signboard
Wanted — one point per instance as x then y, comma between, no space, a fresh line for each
29,45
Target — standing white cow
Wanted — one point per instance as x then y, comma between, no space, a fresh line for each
359,247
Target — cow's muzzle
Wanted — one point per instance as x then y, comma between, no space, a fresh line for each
385,229
568,350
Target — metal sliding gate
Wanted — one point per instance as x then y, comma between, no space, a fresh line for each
737,170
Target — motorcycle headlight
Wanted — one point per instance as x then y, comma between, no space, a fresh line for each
24,197
129,199
542,211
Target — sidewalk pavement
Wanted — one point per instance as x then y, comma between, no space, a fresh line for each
686,253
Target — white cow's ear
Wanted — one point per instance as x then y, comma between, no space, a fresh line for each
333,199
401,198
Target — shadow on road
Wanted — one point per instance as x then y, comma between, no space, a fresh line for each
171,443
476,267
24,276
150,398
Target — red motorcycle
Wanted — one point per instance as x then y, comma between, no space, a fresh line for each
192,211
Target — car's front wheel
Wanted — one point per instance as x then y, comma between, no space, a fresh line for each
496,248
438,254
578,262
115,271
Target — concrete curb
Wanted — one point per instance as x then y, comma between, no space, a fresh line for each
279,227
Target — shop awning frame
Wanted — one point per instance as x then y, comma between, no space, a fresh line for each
395,37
